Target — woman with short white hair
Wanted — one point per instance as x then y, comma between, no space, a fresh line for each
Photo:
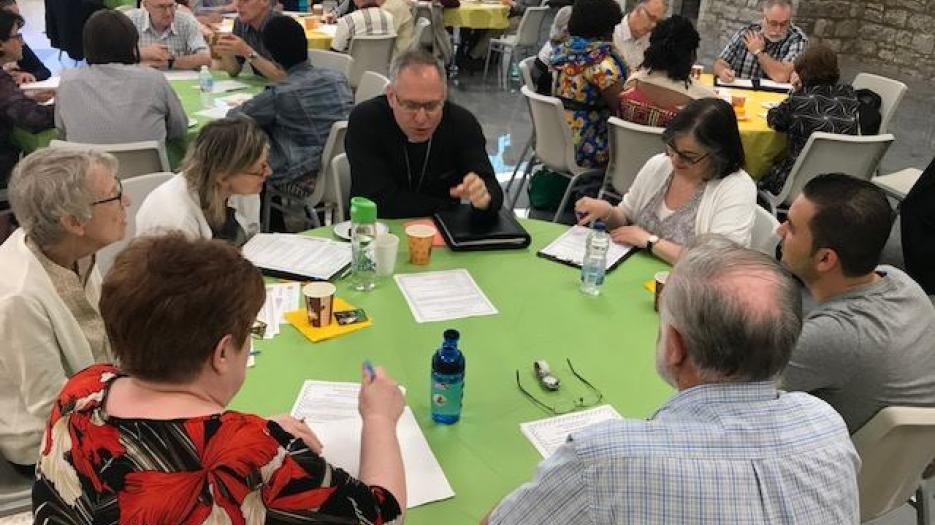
69,204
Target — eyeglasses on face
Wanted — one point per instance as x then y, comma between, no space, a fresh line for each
413,107
164,7
563,406
687,158
116,197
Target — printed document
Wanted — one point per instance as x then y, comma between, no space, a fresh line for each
301,255
280,298
570,247
550,433
443,295
330,410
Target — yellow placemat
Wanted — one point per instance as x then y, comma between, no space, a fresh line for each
299,319
650,285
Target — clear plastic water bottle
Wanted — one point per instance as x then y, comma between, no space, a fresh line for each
363,235
206,83
594,264
447,380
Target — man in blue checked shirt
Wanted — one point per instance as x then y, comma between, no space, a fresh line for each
765,49
728,448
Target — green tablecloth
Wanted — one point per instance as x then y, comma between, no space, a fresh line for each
610,340
189,95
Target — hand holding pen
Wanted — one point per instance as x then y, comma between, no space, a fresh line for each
380,397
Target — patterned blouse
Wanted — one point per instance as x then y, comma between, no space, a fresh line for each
829,108
223,468
584,69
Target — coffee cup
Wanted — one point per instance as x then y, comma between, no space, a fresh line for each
697,71
319,303
421,237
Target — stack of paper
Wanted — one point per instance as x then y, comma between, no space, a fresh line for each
569,249
330,409
280,298
443,296
550,433
297,256
50,83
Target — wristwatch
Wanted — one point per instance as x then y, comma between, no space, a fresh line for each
650,242
252,56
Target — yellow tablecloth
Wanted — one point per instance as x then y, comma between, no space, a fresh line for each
318,40
476,15
761,145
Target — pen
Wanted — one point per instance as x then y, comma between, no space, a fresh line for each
255,352
368,367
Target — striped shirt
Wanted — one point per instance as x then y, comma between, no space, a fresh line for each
745,65
371,21
713,454
183,37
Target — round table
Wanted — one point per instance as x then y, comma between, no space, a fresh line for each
478,15
542,315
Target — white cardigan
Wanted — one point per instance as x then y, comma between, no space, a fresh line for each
173,206
42,346
727,206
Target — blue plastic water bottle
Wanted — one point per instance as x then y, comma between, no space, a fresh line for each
447,380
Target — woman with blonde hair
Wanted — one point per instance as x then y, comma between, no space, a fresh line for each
216,196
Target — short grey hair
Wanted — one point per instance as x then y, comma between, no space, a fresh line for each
415,58
767,4
738,311
51,183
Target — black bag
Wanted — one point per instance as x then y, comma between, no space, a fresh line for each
868,115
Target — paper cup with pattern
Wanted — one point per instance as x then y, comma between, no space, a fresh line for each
319,303
660,284
420,237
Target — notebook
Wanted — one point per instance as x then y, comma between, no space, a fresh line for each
463,229
569,248
757,84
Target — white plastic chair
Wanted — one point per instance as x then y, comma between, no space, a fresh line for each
894,447
334,145
371,53
136,188
15,491
341,184
526,36
891,93
898,184
136,158
764,237
372,84
631,145
525,68
331,60
854,155
422,35
554,146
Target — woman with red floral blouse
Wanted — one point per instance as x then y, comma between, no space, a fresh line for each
151,442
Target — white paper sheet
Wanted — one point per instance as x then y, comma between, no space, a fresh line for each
223,86
312,257
280,298
570,247
49,83
330,409
215,112
443,296
550,433
746,83
180,74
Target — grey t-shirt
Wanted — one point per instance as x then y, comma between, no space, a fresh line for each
868,348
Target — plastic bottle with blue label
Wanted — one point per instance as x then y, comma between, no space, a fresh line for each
363,235
594,264
447,380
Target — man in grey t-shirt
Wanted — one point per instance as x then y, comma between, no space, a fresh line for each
870,341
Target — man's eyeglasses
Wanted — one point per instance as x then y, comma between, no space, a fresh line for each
165,7
17,36
684,157
258,330
414,107
563,406
116,197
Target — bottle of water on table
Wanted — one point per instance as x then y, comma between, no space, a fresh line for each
594,264
363,235
206,83
447,380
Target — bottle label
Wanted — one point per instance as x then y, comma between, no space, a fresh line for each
447,393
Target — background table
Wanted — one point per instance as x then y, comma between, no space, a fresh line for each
610,340
761,144
477,15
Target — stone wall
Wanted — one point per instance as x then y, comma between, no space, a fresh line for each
890,37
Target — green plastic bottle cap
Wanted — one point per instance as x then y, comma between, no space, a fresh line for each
363,210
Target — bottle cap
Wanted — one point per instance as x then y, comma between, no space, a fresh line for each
363,210
451,333
599,225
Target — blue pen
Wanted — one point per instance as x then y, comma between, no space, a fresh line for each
369,368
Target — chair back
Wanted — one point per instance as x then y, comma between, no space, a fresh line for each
891,93
554,145
341,181
422,35
15,491
530,26
135,158
894,447
855,155
371,53
631,145
324,189
372,84
764,237
525,68
136,188
331,60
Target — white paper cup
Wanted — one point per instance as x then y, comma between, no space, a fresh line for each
386,247
319,302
